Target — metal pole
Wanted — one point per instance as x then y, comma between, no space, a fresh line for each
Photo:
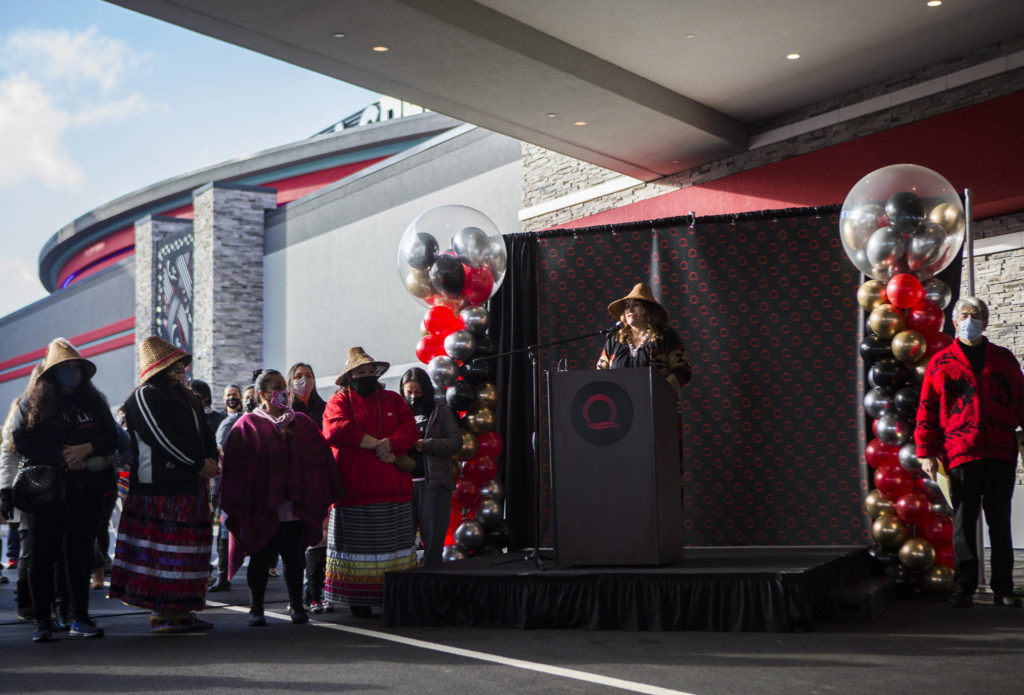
969,228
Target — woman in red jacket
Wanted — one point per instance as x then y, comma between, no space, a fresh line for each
371,531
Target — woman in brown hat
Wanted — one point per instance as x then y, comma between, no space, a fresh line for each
645,338
162,558
64,421
371,530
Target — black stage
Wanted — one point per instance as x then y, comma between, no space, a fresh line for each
737,589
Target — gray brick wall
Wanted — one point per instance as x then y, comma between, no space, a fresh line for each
227,332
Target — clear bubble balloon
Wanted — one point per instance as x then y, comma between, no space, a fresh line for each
470,272
902,218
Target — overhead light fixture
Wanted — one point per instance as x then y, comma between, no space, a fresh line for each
579,122
793,56
551,115
691,36
380,49
338,35
933,3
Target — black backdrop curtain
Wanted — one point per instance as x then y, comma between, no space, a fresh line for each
766,306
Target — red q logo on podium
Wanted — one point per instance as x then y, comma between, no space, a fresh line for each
601,413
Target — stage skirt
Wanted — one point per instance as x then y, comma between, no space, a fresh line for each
363,543
162,558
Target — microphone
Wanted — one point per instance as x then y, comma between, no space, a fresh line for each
613,328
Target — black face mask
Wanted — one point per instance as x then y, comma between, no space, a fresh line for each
363,385
250,404
418,404
233,403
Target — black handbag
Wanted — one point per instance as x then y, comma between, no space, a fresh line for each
38,487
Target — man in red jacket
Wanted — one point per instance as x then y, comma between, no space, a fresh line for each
972,401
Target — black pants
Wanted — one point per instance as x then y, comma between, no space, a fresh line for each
985,484
69,532
101,557
316,572
290,542
13,540
431,510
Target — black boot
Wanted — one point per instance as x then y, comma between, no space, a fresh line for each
221,583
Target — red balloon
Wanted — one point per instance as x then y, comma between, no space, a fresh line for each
466,492
944,555
937,342
904,291
894,482
480,469
938,531
453,523
879,455
479,283
489,444
926,318
429,347
914,508
441,320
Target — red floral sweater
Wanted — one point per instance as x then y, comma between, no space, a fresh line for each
963,418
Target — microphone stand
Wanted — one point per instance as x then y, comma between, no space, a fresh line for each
532,352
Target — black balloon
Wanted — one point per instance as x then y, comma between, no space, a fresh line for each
477,371
484,346
879,555
461,395
905,212
499,536
423,252
873,348
889,373
905,400
448,276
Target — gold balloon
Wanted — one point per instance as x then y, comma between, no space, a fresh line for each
889,532
871,295
886,321
908,346
950,217
876,503
917,554
858,225
937,580
417,281
487,395
468,449
918,369
423,330
479,420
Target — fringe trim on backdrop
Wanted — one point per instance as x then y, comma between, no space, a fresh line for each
689,221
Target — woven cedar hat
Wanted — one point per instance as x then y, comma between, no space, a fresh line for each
156,355
357,357
641,291
60,351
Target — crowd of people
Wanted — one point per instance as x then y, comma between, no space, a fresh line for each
326,487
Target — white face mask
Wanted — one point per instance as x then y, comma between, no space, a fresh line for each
970,329
302,387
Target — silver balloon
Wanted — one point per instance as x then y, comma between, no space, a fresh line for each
885,249
908,457
472,244
497,258
488,513
893,430
460,345
443,372
493,490
857,225
937,292
469,535
476,320
926,246
934,493
877,402
941,507
451,553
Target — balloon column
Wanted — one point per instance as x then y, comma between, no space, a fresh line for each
900,225
454,284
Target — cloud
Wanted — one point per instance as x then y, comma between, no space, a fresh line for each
19,284
53,81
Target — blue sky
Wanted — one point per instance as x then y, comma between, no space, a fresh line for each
97,101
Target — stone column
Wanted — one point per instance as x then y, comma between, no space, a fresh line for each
227,262
149,231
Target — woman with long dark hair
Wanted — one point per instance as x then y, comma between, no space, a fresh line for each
304,397
64,421
277,483
162,558
432,479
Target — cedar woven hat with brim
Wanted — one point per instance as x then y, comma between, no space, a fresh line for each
357,357
59,352
156,355
641,291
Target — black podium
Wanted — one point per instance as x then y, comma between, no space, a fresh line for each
615,468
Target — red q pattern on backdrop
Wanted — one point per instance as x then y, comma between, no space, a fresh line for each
767,311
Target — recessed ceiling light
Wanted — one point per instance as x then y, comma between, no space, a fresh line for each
551,115
579,122
338,35
690,36
793,56
380,49
934,3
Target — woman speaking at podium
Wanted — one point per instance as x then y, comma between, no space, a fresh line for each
644,339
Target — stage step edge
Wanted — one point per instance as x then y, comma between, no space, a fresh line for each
859,601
